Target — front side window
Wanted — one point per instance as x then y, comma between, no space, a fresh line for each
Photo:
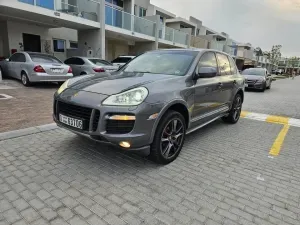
73,44
59,45
224,65
208,60
162,62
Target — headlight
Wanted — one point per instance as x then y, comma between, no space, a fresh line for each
63,87
129,98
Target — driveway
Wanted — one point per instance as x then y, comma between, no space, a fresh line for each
225,175
28,107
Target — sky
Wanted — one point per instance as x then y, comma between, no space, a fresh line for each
262,23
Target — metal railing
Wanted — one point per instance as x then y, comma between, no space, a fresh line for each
217,45
118,18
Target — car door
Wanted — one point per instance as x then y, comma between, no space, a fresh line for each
228,79
15,65
207,92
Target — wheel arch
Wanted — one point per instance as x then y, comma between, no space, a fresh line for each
178,106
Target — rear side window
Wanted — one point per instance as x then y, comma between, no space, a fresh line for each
121,60
224,66
232,66
44,58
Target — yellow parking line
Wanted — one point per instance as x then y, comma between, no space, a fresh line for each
244,114
275,150
277,119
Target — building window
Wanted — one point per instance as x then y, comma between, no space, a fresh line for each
59,45
73,44
142,12
135,10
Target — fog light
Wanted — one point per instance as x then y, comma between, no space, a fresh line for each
124,144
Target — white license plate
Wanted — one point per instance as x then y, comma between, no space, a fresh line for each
71,121
246,85
54,70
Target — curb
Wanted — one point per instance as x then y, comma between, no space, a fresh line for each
27,131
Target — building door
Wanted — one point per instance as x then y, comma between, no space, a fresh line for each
32,43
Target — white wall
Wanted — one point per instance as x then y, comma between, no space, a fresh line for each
142,47
15,32
115,49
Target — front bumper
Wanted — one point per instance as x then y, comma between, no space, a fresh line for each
140,135
44,77
259,86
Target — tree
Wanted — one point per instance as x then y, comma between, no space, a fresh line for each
274,55
293,62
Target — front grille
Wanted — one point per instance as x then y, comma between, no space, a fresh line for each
96,120
119,126
250,81
75,111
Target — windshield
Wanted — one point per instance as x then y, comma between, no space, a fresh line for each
44,58
100,62
253,71
163,62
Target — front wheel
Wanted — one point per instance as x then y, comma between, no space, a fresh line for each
169,138
235,112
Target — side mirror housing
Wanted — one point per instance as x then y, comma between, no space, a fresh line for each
206,72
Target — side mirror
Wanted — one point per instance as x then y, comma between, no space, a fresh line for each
207,72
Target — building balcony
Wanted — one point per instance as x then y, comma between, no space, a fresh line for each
127,21
80,8
173,35
198,42
217,45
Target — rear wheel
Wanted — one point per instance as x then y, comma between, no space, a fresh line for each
169,138
235,112
83,73
25,80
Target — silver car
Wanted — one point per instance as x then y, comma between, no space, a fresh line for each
122,60
31,67
84,65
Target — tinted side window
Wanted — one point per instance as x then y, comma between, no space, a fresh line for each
69,61
232,66
121,60
208,60
18,57
224,65
78,61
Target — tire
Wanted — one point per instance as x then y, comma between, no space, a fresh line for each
264,88
83,73
166,147
1,73
235,112
24,79
269,86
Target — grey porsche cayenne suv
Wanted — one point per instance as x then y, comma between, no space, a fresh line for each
152,102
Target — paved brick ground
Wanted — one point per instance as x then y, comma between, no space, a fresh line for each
223,176
282,99
30,106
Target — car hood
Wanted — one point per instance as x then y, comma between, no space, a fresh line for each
253,77
116,82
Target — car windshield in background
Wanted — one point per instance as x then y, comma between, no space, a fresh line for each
100,62
44,58
254,71
162,62
121,60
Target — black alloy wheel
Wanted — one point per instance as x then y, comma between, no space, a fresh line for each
235,112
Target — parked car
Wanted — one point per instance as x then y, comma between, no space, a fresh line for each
279,72
85,65
257,78
31,67
150,104
122,60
